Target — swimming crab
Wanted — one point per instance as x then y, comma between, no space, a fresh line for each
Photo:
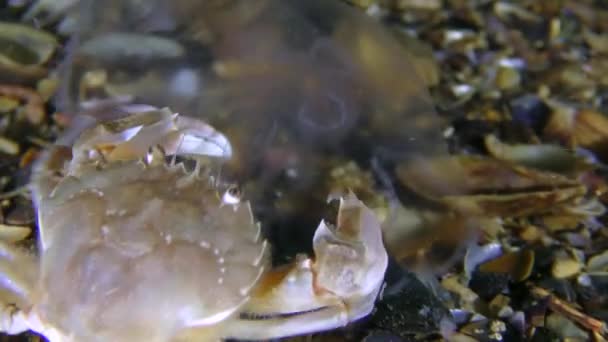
138,241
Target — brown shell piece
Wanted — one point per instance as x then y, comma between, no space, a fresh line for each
518,264
598,263
483,186
579,127
540,156
565,267
33,108
24,50
427,240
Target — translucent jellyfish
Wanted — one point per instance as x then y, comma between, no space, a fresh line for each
297,87
313,74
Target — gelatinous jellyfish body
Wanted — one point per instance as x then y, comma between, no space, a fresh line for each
299,87
307,73
303,90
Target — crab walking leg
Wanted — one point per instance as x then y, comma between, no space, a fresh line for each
339,287
17,275
17,271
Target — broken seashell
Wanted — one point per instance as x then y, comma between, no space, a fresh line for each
131,46
483,186
598,262
565,267
427,241
540,156
24,50
517,264
12,233
477,255
578,127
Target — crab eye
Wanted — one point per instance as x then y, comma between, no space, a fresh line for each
232,195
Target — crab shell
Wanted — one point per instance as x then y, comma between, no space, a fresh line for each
134,248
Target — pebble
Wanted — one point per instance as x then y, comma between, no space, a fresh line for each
8,146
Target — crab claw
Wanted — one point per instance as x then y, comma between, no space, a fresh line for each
338,287
146,132
351,260
17,274
130,137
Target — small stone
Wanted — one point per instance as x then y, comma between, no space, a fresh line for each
497,326
565,328
488,284
10,233
530,111
362,3
507,78
565,267
429,5
505,312
498,303
598,262
47,87
598,42
8,104
531,233
8,146
22,214
452,284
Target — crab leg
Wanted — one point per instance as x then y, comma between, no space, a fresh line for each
338,287
325,319
17,271
17,274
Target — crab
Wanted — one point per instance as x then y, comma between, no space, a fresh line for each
139,240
